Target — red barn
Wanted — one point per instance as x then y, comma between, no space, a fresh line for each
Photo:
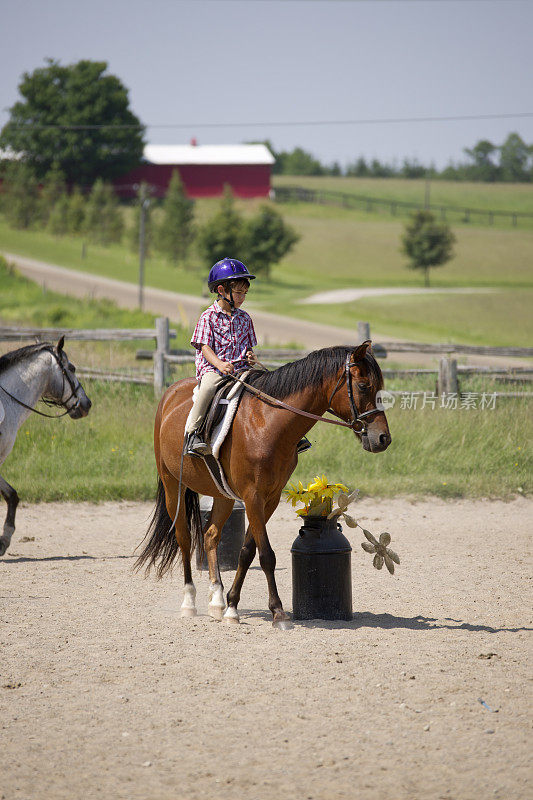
204,169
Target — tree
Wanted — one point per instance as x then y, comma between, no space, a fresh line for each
221,235
56,99
103,217
58,222
76,211
297,162
483,168
21,196
427,243
359,169
176,231
514,157
52,190
266,239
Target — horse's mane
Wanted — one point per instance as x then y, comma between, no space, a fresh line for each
16,356
310,371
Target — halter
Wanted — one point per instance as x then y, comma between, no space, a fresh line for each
357,418
66,377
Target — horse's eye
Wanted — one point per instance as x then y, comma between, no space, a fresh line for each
71,367
363,387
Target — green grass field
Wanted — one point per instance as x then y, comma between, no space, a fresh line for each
511,197
109,456
340,248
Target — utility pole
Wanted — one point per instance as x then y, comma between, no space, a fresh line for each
426,193
145,202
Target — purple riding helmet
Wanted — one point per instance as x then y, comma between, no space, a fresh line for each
228,269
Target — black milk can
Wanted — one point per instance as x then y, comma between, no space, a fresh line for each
232,537
321,571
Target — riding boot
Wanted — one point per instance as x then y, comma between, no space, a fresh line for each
195,446
303,445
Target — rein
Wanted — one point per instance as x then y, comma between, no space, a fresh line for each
356,416
41,413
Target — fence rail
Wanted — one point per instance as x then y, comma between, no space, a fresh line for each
161,333
288,194
447,372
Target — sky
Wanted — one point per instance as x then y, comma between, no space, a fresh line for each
230,71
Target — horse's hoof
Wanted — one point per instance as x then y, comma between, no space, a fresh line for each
216,612
188,612
231,616
3,548
283,625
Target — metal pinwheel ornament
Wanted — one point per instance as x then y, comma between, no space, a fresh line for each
383,553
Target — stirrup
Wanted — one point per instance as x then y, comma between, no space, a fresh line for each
194,446
303,445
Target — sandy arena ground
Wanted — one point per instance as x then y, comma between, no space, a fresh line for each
106,693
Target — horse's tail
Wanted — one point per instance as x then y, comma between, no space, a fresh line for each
162,546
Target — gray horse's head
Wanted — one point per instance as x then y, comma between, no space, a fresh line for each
64,387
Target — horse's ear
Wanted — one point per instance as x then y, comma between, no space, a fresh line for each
60,344
360,351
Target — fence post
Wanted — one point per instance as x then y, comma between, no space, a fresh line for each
447,383
363,332
162,332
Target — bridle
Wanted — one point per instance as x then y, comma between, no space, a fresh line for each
47,401
356,416
346,375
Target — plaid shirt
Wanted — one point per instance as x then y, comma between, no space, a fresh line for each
228,337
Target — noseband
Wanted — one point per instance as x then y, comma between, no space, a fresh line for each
356,416
66,377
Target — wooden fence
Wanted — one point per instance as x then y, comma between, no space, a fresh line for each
162,334
300,194
447,374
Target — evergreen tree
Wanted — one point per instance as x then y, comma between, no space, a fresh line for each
359,169
53,188
76,211
58,222
103,220
221,235
266,239
427,243
176,231
21,197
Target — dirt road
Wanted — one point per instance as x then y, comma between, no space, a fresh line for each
272,329
107,693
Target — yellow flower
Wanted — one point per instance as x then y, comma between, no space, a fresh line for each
317,497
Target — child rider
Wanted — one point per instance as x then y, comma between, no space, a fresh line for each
224,337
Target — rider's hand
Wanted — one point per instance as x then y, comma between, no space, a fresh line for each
251,357
226,367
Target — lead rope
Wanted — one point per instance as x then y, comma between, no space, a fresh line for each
179,485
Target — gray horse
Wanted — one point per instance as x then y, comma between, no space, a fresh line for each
27,375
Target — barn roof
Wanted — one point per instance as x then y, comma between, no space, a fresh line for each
208,154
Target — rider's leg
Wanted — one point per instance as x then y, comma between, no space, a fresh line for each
209,384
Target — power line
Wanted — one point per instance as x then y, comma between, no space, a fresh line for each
279,124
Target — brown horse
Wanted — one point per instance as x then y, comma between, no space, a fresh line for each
258,457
